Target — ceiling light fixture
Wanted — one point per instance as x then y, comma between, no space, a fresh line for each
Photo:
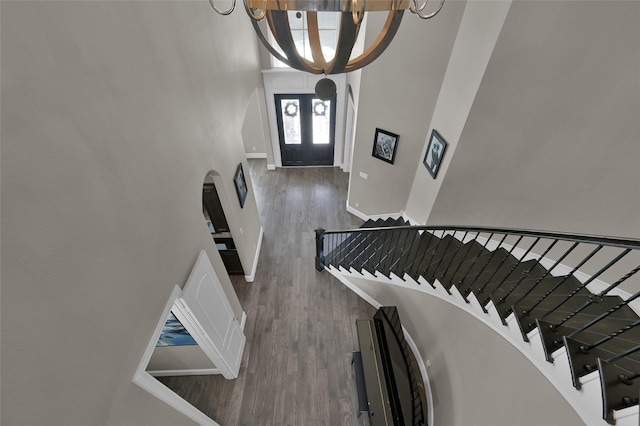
352,14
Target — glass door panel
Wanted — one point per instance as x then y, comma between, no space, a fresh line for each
291,121
321,121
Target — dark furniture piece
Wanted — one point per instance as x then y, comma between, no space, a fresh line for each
384,374
217,223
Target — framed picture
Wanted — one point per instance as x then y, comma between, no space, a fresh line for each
435,152
241,185
385,145
174,334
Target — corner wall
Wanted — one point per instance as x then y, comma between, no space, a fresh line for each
551,141
112,115
398,93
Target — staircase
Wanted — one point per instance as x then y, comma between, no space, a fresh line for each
562,288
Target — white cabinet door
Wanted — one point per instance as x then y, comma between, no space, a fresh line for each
219,331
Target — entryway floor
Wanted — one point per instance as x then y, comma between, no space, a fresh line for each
300,328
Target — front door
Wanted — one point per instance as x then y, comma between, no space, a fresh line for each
306,127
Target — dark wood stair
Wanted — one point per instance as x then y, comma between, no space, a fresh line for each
559,306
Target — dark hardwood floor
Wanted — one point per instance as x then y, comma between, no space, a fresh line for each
300,328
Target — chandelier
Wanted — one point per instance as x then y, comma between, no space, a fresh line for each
352,12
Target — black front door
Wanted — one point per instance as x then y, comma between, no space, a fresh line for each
306,126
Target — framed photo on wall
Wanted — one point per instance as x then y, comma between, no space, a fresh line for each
241,185
385,145
435,152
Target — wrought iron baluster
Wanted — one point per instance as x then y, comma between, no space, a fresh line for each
495,271
528,292
513,268
464,258
400,265
599,296
319,249
587,348
504,236
586,283
443,274
475,259
604,315
441,257
555,287
624,354
417,260
526,311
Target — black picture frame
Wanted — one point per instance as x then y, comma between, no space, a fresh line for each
435,152
241,185
385,145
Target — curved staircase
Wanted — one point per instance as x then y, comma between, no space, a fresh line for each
534,279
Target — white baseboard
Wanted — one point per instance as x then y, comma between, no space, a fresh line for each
366,217
356,212
199,372
250,278
256,155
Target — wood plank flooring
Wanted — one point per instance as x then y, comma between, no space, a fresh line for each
296,368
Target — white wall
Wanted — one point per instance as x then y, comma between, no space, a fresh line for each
255,127
479,30
551,141
112,115
398,93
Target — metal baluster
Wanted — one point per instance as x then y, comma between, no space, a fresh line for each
465,256
526,311
415,263
585,260
488,261
542,277
624,354
399,266
442,257
586,348
475,259
377,237
454,254
499,266
599,296
513,268
586,283
319,249
604,315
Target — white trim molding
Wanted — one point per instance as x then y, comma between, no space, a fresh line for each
256,155
149,383
196,372
252,276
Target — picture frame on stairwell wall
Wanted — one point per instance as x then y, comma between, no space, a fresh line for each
385,145
241,185
435,152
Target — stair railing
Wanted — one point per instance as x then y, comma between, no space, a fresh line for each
552,298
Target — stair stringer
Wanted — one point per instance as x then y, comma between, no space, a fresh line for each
587,402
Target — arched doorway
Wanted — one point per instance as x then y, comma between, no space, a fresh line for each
214,215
